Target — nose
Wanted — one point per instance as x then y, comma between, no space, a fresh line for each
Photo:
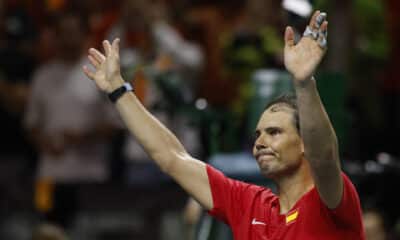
260,146
260,143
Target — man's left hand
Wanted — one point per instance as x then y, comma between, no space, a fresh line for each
302,59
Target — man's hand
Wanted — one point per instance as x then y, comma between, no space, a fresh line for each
107,67
302,59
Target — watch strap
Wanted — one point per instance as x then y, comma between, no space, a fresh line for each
117,93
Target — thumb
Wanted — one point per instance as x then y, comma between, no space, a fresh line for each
289,37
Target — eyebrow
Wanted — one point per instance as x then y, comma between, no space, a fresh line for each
276,108
281,107
267,129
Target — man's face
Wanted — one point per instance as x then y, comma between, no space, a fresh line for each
278,147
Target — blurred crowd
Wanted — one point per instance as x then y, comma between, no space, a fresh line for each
206,69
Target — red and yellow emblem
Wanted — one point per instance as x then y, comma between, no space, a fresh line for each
292,216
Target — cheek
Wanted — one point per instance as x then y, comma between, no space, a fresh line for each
295,151
291,149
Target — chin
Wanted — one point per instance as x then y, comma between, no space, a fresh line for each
269,171
266,171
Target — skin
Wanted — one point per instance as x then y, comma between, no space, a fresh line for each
374,226
279,152
296,164
278,148
319,138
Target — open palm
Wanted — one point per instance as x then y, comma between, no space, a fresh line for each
107,67
302,59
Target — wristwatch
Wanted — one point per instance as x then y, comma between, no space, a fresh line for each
117,93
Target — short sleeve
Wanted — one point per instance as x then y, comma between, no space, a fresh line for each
230,197
348,213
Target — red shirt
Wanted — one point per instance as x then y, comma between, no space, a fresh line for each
252,212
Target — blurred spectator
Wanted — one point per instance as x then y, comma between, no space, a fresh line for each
170,67
147,35
165,68
102,15
70,123
255,43
252,44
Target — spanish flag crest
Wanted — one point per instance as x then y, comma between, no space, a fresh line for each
292,216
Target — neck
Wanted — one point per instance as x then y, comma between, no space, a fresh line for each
291,188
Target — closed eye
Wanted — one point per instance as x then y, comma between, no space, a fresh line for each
273,131
257,134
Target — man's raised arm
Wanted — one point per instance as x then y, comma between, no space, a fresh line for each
162,146
320,142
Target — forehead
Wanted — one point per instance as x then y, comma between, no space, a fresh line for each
277,116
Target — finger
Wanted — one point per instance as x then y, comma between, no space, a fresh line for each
311,33
320,19
88,73
97,55
289,37
115,46
314,29
314,19
324,28
107,47
323,35
94,62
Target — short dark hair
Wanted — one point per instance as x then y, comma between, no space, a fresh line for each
289,100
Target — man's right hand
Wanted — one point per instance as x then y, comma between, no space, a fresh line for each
107,73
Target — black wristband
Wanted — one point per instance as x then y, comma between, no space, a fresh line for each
117,93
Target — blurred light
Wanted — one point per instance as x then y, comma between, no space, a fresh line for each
373,167
302,8
383,158
201,103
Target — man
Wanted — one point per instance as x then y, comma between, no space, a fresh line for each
315,200
73,147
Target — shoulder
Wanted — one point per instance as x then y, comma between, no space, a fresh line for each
234,199
349,192
218,181
347,213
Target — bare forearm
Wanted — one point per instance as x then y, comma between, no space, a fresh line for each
317,132
165,149
320,143
162,146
